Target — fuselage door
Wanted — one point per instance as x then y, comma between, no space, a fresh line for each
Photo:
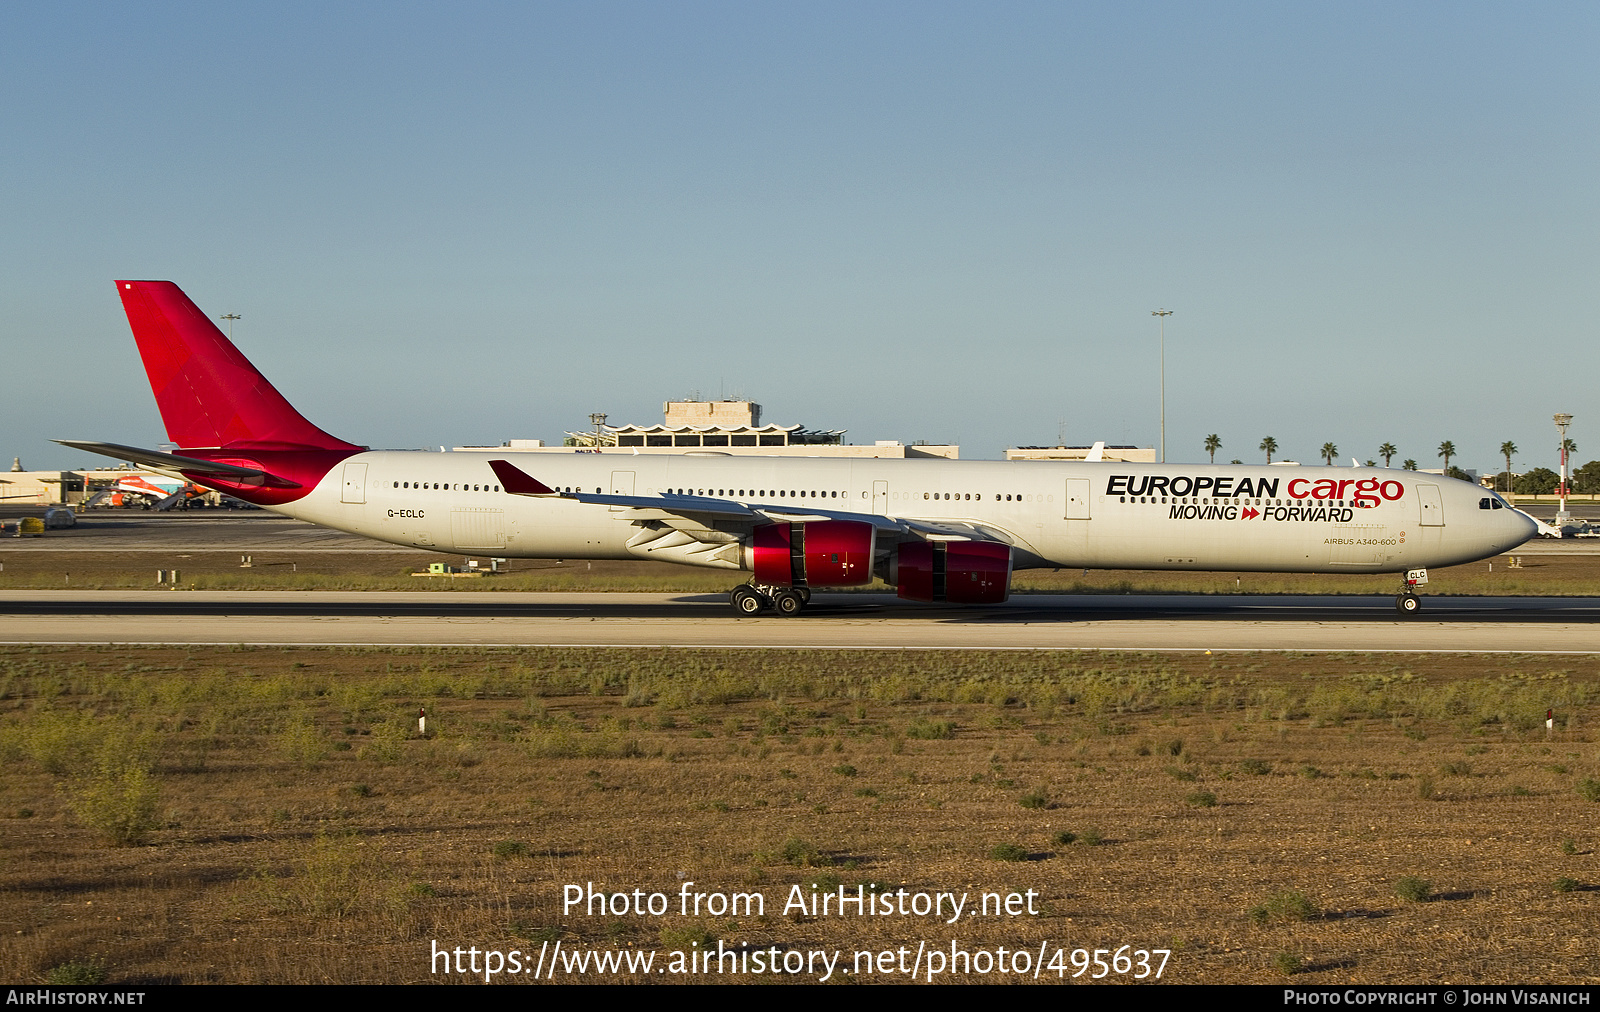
621,484
880,498
355,484
1431,505
1077,498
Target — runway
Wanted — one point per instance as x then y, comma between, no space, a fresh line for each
855,621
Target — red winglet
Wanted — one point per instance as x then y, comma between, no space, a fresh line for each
516,482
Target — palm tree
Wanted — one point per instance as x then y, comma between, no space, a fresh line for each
1447,450
1507,448
1329,451
1213,444
1387,452
1270,445
1408,464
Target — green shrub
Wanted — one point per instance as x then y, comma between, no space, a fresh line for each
1589,789
1413,889
1201,799
1035,799
1283,907
1566,885
802,854
386,742
118,800
510,848
76,974
930,730
1288,964
1008,852
300,741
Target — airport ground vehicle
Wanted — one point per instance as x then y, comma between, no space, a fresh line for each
935,530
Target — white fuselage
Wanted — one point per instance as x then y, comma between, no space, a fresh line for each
1088,515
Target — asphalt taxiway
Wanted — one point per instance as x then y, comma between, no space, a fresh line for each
862,621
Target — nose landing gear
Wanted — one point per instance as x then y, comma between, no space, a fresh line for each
1407,602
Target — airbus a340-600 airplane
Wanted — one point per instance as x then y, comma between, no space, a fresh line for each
935,530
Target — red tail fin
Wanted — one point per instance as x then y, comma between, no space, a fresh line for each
208,393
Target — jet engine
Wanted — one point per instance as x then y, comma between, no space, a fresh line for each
958,572
822,553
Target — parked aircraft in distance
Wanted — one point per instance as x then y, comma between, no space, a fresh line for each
935,530
145,491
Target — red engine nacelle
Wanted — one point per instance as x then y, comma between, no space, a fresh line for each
960,572
823,553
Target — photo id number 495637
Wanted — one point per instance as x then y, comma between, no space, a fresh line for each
1122,962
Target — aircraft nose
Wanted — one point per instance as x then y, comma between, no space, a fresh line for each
1522,527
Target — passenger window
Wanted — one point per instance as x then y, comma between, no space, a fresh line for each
1484,504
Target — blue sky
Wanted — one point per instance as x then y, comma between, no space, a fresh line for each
466,223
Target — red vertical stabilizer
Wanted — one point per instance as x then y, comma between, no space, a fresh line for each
209,394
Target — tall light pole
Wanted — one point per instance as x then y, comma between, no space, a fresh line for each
1163,314
1562,421
230,318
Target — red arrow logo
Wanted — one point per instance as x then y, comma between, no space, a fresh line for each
1250,513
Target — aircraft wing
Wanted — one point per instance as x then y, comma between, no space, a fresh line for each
171,461
957,530
698,507
703,505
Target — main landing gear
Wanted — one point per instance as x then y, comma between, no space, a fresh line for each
748,599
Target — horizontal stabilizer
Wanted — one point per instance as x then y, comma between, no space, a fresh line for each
189,465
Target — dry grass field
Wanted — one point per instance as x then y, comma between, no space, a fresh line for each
214,815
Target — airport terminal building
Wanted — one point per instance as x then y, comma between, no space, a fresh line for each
730,427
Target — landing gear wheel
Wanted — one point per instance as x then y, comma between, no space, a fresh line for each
746,601
805,594
1408,603
787,603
